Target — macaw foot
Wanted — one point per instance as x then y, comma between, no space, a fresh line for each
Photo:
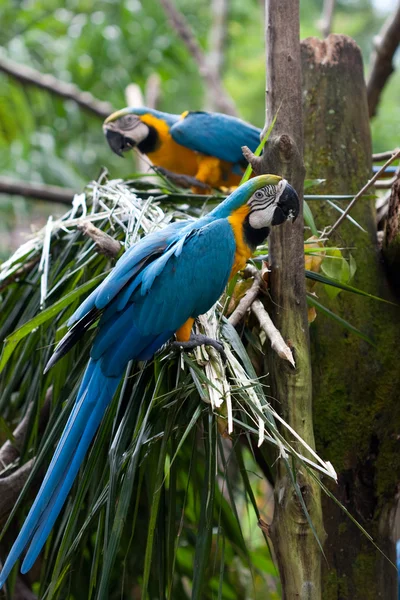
197,339
185,181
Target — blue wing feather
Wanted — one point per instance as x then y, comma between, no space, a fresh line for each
128,265
216,134
145,303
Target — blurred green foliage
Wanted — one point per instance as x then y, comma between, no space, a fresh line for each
104,46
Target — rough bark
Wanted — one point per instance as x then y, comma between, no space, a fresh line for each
298,555
356,408
391,241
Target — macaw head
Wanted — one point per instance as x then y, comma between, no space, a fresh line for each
259,204
125,130
272,203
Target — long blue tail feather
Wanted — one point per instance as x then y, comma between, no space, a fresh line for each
95,394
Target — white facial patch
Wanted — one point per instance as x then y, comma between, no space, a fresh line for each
263,204
137,131
129,126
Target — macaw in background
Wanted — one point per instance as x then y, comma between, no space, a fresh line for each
157,289
207,146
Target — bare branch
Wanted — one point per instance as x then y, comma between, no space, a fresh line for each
249,297
325,23
184,31
385,184
361,192
384,155
278,344
23,270
105,244
382,60
11,486
216,43
152,90
256,162
68,91
11,450
134,97
40,191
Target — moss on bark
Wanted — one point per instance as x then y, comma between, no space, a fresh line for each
356,385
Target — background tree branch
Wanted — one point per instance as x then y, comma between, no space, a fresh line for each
40,191
222,99
68,91
216,44
382,67
325,23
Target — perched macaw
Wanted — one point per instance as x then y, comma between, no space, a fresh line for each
157,289
207,146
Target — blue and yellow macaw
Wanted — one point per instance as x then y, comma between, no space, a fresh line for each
157,289
207,146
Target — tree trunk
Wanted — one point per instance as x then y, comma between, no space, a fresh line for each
356,385
298,555
391,241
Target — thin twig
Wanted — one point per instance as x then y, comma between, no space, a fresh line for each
250,301
105,244
278,344
249,297
184,31
361,192
41,191
382,60
68,91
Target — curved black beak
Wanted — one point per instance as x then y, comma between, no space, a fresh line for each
117,142
288,206
292,202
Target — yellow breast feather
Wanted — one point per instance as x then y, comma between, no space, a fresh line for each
168,153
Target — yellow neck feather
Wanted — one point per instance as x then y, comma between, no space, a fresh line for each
243,252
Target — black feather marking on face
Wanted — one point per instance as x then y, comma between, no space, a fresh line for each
151,143
254,237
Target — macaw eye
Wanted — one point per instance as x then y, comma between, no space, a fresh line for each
259,195
127,121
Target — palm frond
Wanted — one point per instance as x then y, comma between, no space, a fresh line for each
155,495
